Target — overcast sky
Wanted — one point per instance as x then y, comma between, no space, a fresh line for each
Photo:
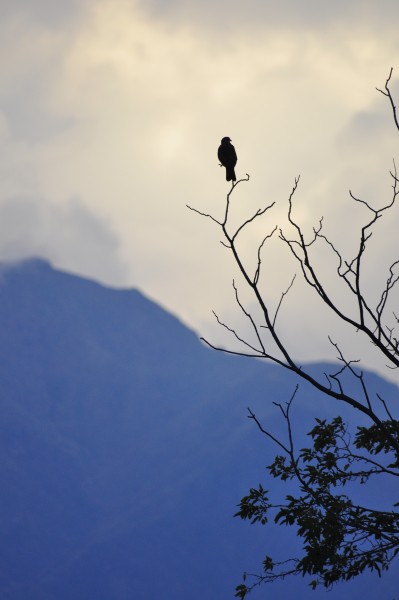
111,112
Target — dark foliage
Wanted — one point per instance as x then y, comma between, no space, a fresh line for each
341,538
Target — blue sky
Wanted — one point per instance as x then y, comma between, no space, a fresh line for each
111,112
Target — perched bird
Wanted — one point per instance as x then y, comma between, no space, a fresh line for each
228,158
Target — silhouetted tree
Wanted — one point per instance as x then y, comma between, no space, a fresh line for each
341,538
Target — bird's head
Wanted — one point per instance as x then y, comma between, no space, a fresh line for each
226,140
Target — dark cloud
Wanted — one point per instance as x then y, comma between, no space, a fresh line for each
284,13
370,127
27,112
47,12
365,127
70,236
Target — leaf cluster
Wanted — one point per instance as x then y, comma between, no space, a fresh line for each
340,537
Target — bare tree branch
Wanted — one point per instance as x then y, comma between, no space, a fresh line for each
389,95
283,295
257,272
341,537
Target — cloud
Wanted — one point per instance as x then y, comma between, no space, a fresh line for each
69,235
285,14
124,108
44,12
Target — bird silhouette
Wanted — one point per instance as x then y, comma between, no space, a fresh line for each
228,158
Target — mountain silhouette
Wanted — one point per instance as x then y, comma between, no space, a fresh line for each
125,449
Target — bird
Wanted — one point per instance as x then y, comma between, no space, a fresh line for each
228,158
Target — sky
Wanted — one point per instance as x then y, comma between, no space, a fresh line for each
111,112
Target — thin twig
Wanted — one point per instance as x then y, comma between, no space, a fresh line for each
389,95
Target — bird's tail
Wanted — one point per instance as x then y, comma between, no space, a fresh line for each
230,174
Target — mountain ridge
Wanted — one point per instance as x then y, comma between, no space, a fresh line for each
126,448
